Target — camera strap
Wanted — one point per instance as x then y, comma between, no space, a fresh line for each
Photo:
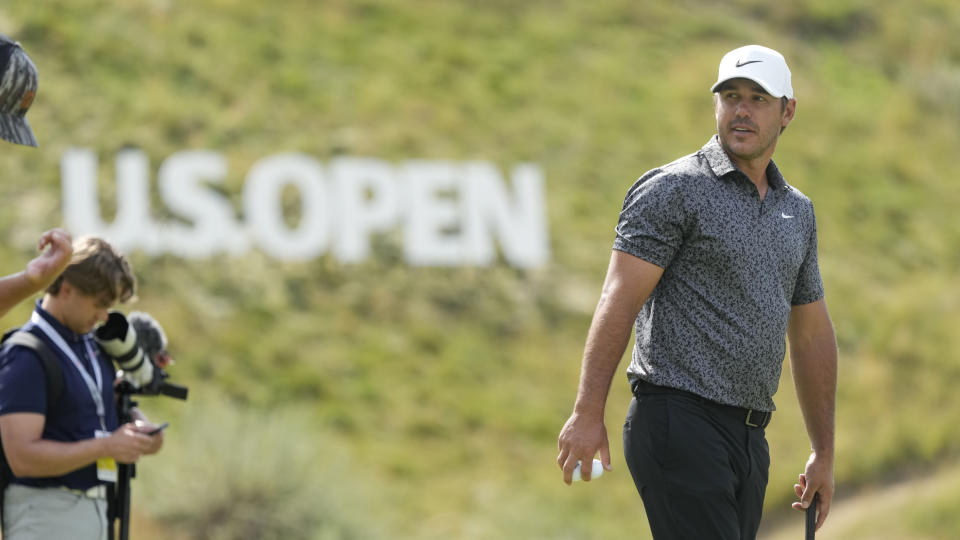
94,386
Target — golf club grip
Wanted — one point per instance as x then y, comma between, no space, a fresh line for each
812,518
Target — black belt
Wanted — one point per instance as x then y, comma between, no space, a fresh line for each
751,417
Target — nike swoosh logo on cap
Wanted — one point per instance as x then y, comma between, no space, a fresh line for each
741,64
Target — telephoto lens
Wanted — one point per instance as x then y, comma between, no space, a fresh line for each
119,339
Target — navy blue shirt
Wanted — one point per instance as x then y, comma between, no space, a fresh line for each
74,416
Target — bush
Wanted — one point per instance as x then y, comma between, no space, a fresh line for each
227,472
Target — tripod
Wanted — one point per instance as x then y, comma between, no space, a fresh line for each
118,496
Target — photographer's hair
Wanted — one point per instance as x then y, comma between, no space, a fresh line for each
97,269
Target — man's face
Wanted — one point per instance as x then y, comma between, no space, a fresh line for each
749,120
81,312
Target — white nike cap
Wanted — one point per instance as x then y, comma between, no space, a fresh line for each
764,66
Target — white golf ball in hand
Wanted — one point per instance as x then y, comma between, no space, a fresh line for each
595,472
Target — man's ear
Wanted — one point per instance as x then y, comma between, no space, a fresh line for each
789,112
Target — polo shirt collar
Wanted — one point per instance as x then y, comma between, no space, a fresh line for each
69,335
721,164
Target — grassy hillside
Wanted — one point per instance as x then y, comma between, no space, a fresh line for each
380,400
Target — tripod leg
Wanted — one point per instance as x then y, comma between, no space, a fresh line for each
125,473
111,511
123,500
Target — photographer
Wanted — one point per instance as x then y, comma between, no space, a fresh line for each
63,454
18,87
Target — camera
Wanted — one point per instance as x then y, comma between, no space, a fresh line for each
139,347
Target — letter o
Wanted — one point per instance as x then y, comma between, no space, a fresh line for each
263,208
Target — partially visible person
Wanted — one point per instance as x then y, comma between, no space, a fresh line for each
18,88
63,454
55,251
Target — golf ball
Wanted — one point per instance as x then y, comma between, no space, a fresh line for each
596,472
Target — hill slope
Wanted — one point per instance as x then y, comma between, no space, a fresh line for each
380,399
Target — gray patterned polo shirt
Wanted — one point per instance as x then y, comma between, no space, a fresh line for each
715,324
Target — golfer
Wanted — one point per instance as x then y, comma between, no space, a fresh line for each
715,264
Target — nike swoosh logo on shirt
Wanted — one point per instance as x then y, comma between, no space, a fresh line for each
784,216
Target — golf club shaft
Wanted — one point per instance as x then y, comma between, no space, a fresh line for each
812,518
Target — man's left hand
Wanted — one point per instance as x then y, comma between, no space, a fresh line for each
817,479
156,439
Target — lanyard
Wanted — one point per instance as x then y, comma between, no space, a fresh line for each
93,386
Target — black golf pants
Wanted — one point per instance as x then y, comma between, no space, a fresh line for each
701,474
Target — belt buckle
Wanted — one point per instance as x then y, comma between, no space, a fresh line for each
748,422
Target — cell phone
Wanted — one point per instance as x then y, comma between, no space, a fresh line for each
159,428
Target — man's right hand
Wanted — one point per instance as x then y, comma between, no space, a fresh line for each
580,440
50,263
128,443
627,286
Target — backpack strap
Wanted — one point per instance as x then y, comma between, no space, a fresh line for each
54,383
48,360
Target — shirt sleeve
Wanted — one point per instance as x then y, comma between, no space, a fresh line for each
651,222
22,382
809,287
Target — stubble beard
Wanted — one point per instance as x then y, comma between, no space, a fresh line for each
765,143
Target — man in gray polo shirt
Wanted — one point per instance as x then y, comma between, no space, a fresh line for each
714,264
